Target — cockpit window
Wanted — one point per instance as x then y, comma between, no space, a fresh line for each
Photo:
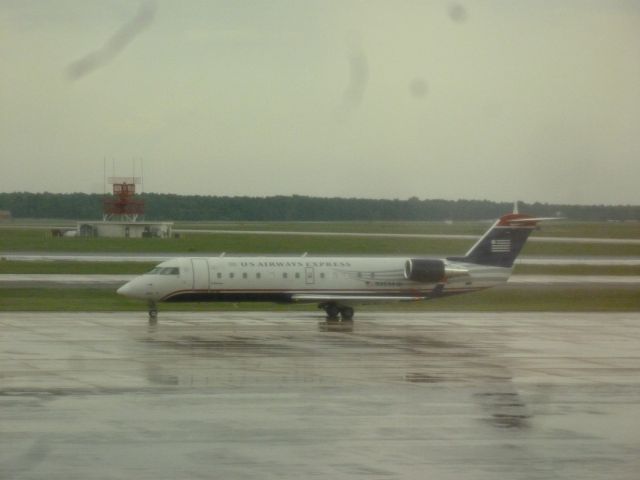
164,271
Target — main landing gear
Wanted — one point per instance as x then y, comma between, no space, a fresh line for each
339,318
333,311
153,313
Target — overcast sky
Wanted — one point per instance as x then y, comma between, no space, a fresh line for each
498,100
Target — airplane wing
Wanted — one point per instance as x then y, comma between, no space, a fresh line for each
304,297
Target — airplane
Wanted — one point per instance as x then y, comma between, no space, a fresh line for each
336,284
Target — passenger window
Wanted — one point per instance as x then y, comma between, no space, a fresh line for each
244,275
231,275
285,275
219,275
297,275
258,275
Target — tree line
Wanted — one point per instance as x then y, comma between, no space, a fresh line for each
160,206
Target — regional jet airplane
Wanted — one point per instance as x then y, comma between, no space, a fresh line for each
336,284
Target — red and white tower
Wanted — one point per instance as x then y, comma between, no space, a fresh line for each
122,205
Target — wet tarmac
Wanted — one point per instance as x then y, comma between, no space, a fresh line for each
283,395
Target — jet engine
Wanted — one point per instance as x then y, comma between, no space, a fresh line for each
430,271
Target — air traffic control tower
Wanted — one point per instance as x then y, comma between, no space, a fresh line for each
123,214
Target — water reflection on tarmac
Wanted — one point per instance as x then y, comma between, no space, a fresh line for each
272,395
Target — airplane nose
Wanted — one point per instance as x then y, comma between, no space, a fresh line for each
124,289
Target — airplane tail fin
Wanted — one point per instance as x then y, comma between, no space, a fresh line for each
501,244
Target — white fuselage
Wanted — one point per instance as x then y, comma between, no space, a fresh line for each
302,279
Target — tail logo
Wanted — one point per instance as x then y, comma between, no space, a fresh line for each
501,245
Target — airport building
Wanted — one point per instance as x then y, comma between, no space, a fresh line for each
125,229
121,215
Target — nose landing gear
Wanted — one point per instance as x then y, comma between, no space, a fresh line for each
153,313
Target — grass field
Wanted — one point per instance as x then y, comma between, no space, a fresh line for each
501,299
561,228
511,298
76,268
22,240
136,268
39,241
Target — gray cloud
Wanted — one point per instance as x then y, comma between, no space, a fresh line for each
457,12
418,87
115,44
358,74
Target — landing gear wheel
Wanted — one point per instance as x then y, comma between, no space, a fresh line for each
339,318
347,314
332,311
153,313
335,311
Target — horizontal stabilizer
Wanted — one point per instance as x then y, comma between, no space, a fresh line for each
520,221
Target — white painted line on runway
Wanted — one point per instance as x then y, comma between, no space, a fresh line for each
576,279
62,279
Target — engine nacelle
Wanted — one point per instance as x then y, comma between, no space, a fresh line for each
425,271
430,271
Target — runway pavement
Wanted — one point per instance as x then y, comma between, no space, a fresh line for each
280,395
307,233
